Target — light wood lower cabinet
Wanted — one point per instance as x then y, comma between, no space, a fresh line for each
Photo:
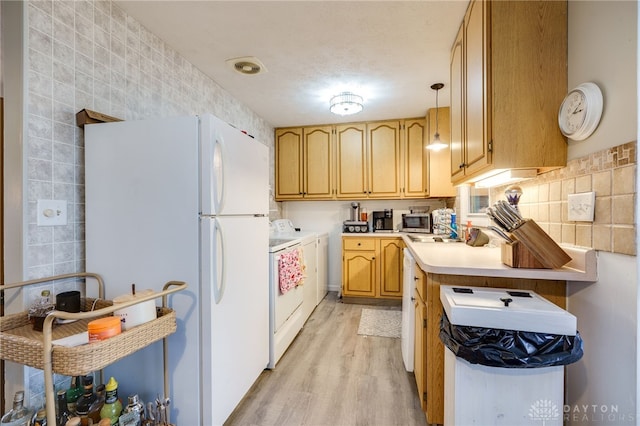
372,267
429,350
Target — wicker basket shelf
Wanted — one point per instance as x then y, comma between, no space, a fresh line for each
21,344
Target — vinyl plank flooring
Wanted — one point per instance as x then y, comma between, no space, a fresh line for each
330,376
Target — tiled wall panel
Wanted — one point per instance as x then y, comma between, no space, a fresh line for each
611,174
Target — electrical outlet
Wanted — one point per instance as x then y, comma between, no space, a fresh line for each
581,207
51,212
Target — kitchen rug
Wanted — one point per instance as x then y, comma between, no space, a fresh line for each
380,322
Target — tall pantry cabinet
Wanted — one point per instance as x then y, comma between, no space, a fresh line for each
508,78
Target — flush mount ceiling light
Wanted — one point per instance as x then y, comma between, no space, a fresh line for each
436,144
346,103
247,65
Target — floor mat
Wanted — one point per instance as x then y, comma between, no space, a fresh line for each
380,322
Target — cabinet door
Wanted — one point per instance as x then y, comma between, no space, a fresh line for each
419,351
288,159
390,267
318,173
477,93
439,161
359,273
384,159
457,104
351,161
416,173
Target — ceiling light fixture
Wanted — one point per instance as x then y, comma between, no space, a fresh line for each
436,144
346,103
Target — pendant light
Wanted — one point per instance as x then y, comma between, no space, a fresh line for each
436,144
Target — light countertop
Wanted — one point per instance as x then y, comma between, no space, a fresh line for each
461,259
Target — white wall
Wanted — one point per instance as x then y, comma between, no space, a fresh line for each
603,48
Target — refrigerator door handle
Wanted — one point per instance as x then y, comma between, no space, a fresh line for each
219,278
218,174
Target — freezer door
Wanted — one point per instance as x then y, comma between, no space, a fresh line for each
234,170
235,310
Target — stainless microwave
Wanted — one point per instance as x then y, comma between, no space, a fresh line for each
416,222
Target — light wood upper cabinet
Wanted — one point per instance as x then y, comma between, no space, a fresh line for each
416,163
303,163
439,161
288,160
318,170
383,159
508,78
383,146
368,160
351,161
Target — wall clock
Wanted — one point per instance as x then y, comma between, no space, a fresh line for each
580,111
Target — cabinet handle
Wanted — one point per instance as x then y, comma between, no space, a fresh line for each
359,244
416,278
461,165
373,258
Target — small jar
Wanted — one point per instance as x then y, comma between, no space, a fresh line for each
103,328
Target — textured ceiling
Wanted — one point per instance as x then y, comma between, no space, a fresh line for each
390,52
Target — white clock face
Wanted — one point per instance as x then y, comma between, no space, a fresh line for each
580,111
574,112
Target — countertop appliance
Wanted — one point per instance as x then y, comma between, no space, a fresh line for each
356,222
408,309
383,221
186,199
416,222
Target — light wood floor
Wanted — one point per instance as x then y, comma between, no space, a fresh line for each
330,375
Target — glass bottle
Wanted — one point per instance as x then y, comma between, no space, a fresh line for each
63,409
40,418
19,415
96,406
136,406
112,407
73,393
84,402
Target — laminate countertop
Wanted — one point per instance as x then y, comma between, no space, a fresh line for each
461,259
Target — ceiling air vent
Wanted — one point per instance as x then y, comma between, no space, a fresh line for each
247,65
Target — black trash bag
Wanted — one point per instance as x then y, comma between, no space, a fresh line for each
509,348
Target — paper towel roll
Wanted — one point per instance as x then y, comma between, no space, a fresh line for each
136,314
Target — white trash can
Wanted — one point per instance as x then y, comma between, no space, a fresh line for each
524,393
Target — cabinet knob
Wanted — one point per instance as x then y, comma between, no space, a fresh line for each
416,278
373,258
359,244
461,165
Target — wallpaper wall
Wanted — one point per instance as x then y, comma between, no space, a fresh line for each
90,54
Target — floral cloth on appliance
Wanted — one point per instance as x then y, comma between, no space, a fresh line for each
291,270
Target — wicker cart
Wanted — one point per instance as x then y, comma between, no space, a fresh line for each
21,344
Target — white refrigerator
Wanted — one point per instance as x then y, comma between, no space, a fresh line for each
185,199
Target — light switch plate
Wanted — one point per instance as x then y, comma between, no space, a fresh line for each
581,207
51,212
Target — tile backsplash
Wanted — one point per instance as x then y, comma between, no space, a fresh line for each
611,174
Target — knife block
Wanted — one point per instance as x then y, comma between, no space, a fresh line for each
533,248
517,255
